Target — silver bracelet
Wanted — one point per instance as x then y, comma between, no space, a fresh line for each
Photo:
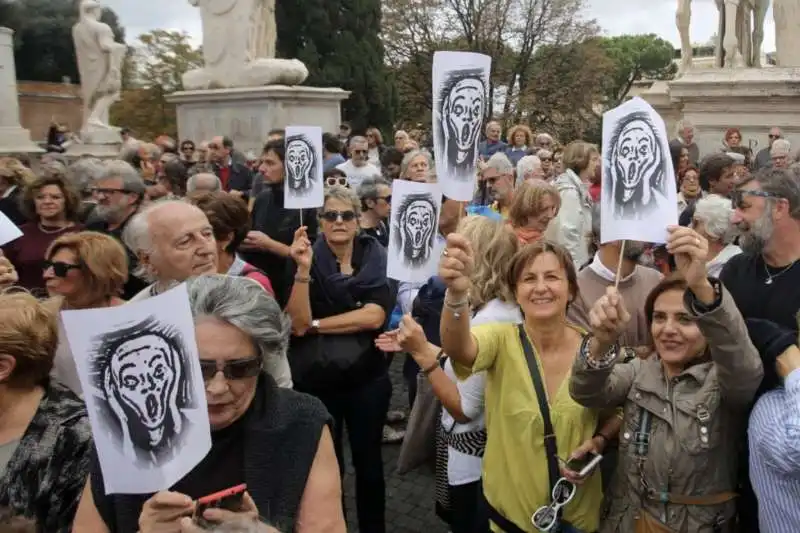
607,360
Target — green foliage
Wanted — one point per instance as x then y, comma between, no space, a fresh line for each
43,47
634,58
339,42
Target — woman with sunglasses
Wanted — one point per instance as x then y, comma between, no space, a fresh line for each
685,407
339,303
275,440
376,207
334,177
85,270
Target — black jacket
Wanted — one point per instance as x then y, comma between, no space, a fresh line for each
10,207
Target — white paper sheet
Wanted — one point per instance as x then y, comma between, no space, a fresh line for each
639,197
414,246
8,230
304,187
140,371
460,103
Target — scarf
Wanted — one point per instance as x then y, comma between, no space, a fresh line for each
528,235
343,290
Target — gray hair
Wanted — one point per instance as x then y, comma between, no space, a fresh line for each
136,235
501,163
682,125
780,147
544,136
356,139
715,211
193,182
368,190
412,155
131,180
782,183
83,172
529,163
343,194
244,304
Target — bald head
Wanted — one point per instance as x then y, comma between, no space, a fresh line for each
203,182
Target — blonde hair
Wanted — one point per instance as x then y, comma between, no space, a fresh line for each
13,171
493,245
102,259
29,335
377,134
344,195
577,155
529,200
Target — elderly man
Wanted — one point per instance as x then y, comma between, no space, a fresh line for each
779,153
763,157
498,174
358,168
203,182
492,144
685,138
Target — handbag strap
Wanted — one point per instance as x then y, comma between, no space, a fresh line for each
550,445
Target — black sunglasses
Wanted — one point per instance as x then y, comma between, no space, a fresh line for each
774,136
60,269
737,197
387,199
360,152
333,216
236,369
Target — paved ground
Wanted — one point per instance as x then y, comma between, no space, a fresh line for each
410,499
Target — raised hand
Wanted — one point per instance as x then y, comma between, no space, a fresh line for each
301,251
455,267
690,250
608,317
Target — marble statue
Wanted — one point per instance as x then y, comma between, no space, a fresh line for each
741,33
787,39
99,64
239,39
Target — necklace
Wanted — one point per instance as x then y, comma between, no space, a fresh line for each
51,231
771,276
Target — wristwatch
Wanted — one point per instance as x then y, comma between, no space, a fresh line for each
315,325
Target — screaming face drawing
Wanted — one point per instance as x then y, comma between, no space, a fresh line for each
460,120
301,164
416,229
142,374
635,165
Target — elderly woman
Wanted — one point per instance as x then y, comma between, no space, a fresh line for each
546,157
690,190
733,138
574,223
230,221
376,207
53,206
528,427
417,166
401,139
520,139
462,418
536,203
45,436
712,220
339,303
376,146
275,440
85,270
529,168
685,408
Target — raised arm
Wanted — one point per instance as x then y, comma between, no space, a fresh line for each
455,269
299,305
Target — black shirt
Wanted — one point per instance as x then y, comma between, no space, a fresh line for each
379,232
134,285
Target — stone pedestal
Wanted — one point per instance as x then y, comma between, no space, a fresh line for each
99,143
247,114
752,100
658,97
13,138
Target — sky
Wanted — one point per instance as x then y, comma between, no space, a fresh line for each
614,16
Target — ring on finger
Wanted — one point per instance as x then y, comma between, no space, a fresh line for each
445,253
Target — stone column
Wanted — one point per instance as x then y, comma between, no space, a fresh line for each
13,139
787,37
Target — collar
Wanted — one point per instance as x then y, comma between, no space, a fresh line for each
9,191
604,272
236,267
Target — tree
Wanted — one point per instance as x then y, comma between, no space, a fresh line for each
43,47
153,70
339,42
634,58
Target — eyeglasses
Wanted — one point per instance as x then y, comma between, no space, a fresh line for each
771,136
360,152
333,216
545,518
333,181
108,192
60,269
235,369
737,197
387,199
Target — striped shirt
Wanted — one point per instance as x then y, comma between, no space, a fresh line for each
774,433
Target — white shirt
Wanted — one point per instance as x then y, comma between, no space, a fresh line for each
355,175
714,267
9,191
463,468
374,157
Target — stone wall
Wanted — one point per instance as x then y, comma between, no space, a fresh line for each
41,102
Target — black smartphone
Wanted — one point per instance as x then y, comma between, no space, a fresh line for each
231,499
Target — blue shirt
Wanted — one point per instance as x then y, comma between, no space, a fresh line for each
333,162
774,434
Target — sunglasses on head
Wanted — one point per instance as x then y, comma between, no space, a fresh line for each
60,269
333,181
333,216
235,369
737,197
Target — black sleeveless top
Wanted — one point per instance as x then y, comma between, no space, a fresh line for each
271,448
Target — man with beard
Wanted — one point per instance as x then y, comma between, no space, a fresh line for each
764,281
118,191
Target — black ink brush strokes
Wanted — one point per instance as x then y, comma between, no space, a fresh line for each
415,229
301,164
145,379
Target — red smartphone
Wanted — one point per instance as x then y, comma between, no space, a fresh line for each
231,499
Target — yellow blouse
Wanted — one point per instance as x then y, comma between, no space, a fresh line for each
515,477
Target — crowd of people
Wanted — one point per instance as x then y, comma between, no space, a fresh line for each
676,363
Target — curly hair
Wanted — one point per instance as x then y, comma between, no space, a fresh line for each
524,129
72,200
493,245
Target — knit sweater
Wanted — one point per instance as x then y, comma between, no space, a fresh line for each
634,290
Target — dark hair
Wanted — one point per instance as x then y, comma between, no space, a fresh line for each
9,523
227,142
72,200
334,173
527,254
674,281
277,146
176,174
331,143
227,214
675,151
188,142
392,156
276,131
712,168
